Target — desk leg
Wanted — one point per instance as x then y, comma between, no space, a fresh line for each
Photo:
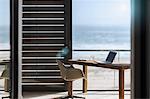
85,80
121,83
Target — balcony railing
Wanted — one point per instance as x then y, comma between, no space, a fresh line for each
4,54
99,78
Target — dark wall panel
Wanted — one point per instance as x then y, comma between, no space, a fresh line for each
140,49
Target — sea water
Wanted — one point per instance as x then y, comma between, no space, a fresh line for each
101,38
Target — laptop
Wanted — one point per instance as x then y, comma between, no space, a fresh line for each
110,58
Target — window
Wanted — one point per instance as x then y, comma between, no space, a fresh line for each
4,34
102,25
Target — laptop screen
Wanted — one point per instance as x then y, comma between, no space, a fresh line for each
111,56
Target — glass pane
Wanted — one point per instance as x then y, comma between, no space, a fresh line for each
4,24
4,35
101,25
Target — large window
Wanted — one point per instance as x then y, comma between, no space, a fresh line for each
100,26
4,34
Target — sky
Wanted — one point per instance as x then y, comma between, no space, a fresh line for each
4,24
4,12
94,12
101,12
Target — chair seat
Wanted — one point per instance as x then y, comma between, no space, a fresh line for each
73,74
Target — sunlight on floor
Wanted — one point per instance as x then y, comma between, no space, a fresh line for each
89,95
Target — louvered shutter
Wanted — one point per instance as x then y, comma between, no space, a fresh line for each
44,29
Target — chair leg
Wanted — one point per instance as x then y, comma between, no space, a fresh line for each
69,86
70,95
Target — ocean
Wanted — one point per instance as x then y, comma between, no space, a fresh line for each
89,37
111,37
101,38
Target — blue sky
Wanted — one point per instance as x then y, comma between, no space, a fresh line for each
4,24
94,12
101,12
4,12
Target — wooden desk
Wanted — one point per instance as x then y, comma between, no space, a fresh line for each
120,67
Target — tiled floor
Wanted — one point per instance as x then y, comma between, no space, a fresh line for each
89,95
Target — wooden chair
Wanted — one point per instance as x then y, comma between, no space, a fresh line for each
69,74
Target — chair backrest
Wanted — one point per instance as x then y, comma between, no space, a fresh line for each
5,74
62,69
